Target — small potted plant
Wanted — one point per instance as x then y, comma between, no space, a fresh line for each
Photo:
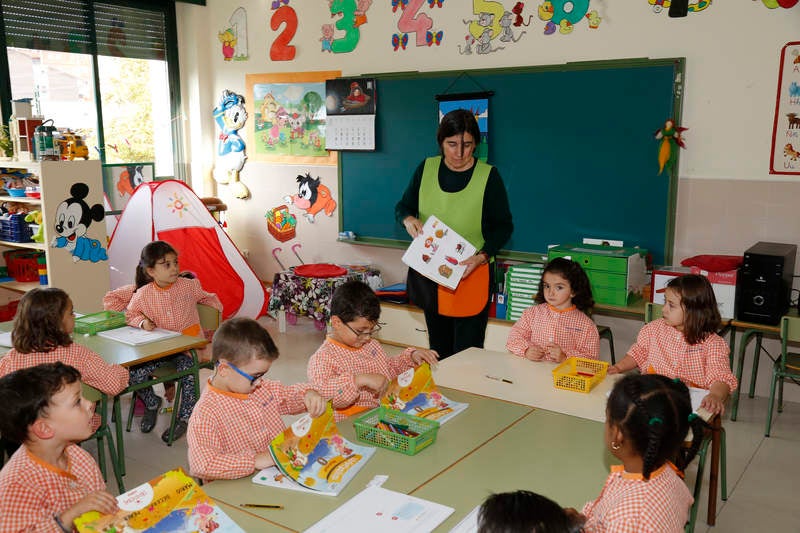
6,146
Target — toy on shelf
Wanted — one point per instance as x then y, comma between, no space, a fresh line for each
71,145
34,218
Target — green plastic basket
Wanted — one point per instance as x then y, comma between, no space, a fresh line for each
91,324
367,432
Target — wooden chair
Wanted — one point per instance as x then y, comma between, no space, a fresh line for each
787,366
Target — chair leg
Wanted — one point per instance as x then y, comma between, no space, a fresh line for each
780,394
698,484
130,412
723,458
771,400
120,443
101,452
611,347
756,356
176,406
115,463
739,370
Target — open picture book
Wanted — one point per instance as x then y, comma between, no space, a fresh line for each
415,393
312,454
171,502
437,251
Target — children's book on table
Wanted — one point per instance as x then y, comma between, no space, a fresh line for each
437,251
414,392
171,502
312,456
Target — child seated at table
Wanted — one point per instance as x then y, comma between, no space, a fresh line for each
558,327
239,412
42,334
647,419
523,511
164,299
684,343
351,368
49,481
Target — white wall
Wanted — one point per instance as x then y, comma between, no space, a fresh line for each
732,56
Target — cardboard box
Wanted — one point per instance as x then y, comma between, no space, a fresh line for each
659,279
724,284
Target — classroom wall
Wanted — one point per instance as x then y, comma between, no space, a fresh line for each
727,200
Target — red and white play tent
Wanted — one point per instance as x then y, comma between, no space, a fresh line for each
171,211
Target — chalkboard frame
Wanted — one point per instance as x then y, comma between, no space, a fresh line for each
471,80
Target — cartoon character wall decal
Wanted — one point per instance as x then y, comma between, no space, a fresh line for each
671,137
230,115
234,37
519,20
327,37
129,179
72,220
312,196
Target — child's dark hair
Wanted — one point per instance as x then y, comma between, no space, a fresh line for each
578,282
654,413
241,339
26,393
525,512
700,311
152,253
353,299
39,326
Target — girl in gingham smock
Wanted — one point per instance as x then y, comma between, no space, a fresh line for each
684,344
164,299
647,420
558,326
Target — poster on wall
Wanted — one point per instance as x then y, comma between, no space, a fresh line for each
785,154
350,105
119,182
289,117
480,108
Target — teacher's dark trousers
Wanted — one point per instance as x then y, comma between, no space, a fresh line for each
449,335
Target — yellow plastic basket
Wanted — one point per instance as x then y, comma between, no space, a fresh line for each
367,432
579,374
102,321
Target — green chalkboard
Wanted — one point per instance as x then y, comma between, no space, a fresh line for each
574,144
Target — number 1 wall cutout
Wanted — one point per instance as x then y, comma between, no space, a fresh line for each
413,22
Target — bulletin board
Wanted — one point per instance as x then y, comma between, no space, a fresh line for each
573,143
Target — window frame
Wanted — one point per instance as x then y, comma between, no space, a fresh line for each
173,75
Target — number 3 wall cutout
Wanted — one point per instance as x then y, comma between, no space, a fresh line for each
353,14
412,21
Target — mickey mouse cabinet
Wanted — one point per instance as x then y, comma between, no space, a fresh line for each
74,239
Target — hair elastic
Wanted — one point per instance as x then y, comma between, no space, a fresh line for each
692,416
654,420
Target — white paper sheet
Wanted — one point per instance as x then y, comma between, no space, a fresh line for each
137,336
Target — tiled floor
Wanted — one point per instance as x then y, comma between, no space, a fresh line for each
761,471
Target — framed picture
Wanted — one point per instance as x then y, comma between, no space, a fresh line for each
119,182
785,153
288,118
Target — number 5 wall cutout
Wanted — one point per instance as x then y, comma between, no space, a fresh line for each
412,21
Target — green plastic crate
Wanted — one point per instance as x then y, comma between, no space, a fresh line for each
102,321
367,432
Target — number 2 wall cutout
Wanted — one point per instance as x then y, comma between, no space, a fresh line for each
281,50
412,21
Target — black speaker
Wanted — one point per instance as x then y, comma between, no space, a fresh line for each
764,282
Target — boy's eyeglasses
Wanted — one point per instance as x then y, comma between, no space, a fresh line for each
251,378
369,333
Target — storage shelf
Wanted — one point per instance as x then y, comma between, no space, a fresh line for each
20,199
21,286
31,245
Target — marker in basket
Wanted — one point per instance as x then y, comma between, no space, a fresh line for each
260,506
504,380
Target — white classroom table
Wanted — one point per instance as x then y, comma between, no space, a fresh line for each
531,383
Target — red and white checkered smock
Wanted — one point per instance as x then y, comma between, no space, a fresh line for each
333,367
662,349
629,504
95,372
173,308
570,329
227,430
117,299
32,492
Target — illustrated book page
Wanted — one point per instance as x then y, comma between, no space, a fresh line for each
437,251
415,393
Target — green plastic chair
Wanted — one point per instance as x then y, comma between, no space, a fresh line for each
104,435
605,333
787,366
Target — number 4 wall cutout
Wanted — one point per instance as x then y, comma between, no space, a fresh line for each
412,21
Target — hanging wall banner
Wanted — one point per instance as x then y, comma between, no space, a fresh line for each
785,154
478,107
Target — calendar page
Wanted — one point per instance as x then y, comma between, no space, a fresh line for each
350,132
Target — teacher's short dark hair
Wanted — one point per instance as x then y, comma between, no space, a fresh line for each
457,122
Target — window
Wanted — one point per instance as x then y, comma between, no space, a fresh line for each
106,71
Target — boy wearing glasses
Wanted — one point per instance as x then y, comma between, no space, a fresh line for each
239,412
351,368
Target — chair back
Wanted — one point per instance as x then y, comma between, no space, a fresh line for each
652,311
210,318
790,332
90,393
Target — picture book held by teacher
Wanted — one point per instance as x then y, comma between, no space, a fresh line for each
437,251
171,502
314,457
415,393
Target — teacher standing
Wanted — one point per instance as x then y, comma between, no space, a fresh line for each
469,196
